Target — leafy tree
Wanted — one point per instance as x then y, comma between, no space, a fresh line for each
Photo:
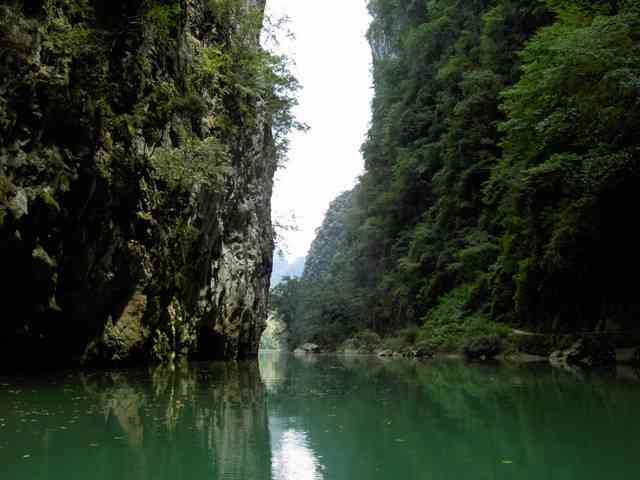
570,164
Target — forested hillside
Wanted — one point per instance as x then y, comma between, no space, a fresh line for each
501,173
314,306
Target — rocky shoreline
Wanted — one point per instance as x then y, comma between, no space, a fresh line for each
574,353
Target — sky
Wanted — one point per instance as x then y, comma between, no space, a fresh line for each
333,64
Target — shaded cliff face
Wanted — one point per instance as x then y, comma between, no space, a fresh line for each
136,167
237,248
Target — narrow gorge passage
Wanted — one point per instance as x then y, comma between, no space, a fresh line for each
377,239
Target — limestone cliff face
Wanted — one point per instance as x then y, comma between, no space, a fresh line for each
236,246
136,168
237,249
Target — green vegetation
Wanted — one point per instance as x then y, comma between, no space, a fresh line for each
501,164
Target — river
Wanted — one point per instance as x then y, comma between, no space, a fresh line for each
314,418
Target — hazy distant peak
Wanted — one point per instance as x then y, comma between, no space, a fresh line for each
284,267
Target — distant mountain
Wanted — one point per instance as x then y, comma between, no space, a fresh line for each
330,238
320,306
283,268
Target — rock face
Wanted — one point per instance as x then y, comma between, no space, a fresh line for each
136,168
237,250
275,335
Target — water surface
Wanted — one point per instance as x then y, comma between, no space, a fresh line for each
321,418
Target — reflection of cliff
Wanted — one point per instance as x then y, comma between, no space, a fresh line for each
237,422
125,404
209,419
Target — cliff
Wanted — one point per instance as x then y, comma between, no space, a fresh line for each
136,167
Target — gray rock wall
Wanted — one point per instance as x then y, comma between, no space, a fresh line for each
103,258
237,249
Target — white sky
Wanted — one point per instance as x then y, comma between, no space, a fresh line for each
333,65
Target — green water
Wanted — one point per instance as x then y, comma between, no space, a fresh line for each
321,418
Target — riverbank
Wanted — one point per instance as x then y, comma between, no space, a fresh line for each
567,351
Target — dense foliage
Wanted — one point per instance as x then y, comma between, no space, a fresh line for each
501,170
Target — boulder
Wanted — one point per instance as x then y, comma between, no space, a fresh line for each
585,352
311,348
483,348
306,349
423,350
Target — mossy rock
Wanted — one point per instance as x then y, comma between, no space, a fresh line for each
587,352
385,353
423,350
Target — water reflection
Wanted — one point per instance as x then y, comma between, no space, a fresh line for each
189,422
335,419
273,370
293,459
292,455
359,417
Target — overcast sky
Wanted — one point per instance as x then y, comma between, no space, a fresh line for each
333,64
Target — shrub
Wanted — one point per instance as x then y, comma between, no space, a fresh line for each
449,326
